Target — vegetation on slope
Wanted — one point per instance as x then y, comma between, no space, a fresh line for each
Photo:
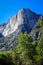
27,52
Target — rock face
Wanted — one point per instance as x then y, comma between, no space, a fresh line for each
2,27
37,31
1,35
23,21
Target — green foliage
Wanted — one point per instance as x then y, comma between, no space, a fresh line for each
26,48
27,52
40,23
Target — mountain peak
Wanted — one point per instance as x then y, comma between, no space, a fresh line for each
24,10
23,21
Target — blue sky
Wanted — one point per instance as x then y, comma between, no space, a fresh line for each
9,8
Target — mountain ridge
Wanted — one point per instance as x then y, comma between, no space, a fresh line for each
23,17
22,22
